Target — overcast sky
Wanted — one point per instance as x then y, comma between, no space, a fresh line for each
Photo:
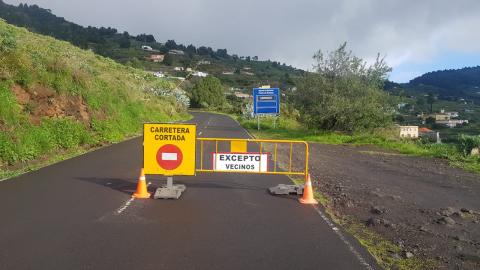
416,36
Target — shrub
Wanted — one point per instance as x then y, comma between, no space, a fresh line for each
466,143
344,93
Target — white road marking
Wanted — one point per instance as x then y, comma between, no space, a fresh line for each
127,204
344,240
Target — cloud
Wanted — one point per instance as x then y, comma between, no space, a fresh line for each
408,31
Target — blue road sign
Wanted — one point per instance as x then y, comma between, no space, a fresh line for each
266,101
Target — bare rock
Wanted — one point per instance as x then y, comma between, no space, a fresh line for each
468,211
371,222
423,229
448,211
470,257
378,210
408,254
446,221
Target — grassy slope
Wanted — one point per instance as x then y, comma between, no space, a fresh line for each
116,96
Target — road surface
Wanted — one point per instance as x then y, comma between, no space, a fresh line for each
78,214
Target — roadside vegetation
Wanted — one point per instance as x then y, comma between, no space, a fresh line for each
56,99
343,102
385,138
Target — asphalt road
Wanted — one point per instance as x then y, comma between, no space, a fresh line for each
78,214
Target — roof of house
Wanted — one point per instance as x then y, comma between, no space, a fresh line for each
424,129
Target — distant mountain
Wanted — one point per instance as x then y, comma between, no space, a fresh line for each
463,82
233,70
446,84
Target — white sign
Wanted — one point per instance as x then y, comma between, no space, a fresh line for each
169,156
240,162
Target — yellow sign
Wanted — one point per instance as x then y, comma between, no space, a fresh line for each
238,146
169,149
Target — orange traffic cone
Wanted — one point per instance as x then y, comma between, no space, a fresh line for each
142,192
308,193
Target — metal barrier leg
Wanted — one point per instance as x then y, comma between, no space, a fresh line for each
169,191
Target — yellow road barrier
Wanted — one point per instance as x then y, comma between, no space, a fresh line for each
253,156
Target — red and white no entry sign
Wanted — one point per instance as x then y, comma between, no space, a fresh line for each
169,157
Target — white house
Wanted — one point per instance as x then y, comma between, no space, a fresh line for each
241,95
176,52
204,62
408,131
450,114
147,48
200,74
452,122
159,74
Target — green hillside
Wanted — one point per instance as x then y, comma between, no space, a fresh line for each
56,98
246,72
452,84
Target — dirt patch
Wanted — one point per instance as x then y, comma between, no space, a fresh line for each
424,205
42,102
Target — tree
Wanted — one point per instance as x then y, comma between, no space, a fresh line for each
145,38
168,60
344,93
202,50
430,120
420,101
124,41
207,93
222,53
430,100
171,44
191,49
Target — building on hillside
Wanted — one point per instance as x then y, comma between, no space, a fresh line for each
452,122
204,62
176,52
431,135
450,114
441,117
408,131
156,58
200,74
247,73
189,70
159,74
178,68
178,78
401,105
241,95
147,48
